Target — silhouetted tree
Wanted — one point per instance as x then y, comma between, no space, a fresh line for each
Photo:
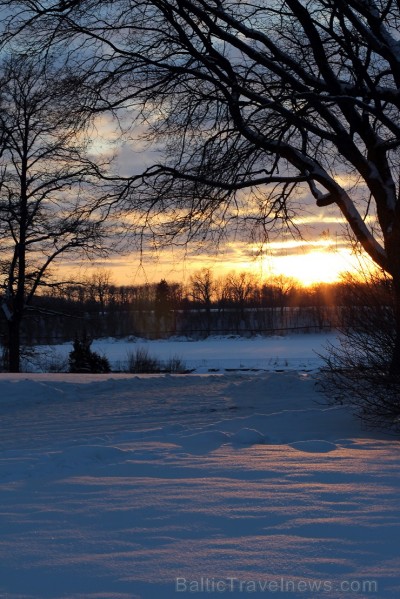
162,306
83,359
239,288
49,206
99,286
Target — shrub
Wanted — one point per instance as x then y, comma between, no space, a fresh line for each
357,372
83,359
175,365
141,362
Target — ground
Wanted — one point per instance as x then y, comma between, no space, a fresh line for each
233,483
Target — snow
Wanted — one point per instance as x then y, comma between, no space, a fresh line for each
159,486
297,352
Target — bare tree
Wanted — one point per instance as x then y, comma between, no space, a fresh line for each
202,286
283,288
240,287
48,204
99,286
202,291
255,102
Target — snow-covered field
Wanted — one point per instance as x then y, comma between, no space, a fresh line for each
234,484
215,354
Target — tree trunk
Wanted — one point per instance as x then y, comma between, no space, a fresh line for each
14,345
395,362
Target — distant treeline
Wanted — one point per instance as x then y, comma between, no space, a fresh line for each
238,304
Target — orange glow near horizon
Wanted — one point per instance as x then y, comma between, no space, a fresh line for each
319,261
315,266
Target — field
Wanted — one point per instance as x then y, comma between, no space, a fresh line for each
234,480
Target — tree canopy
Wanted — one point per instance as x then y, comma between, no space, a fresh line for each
263,96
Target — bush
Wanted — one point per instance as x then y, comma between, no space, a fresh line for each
83,359
357,372
141,362
175,365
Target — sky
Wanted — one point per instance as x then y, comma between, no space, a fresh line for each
323,259
321,253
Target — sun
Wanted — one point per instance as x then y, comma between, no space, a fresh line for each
315,266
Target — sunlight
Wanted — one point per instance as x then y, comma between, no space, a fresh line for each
310,262
315,266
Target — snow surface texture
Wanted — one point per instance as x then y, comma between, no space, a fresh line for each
241,484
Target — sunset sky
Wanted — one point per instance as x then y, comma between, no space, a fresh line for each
318,260
321,254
